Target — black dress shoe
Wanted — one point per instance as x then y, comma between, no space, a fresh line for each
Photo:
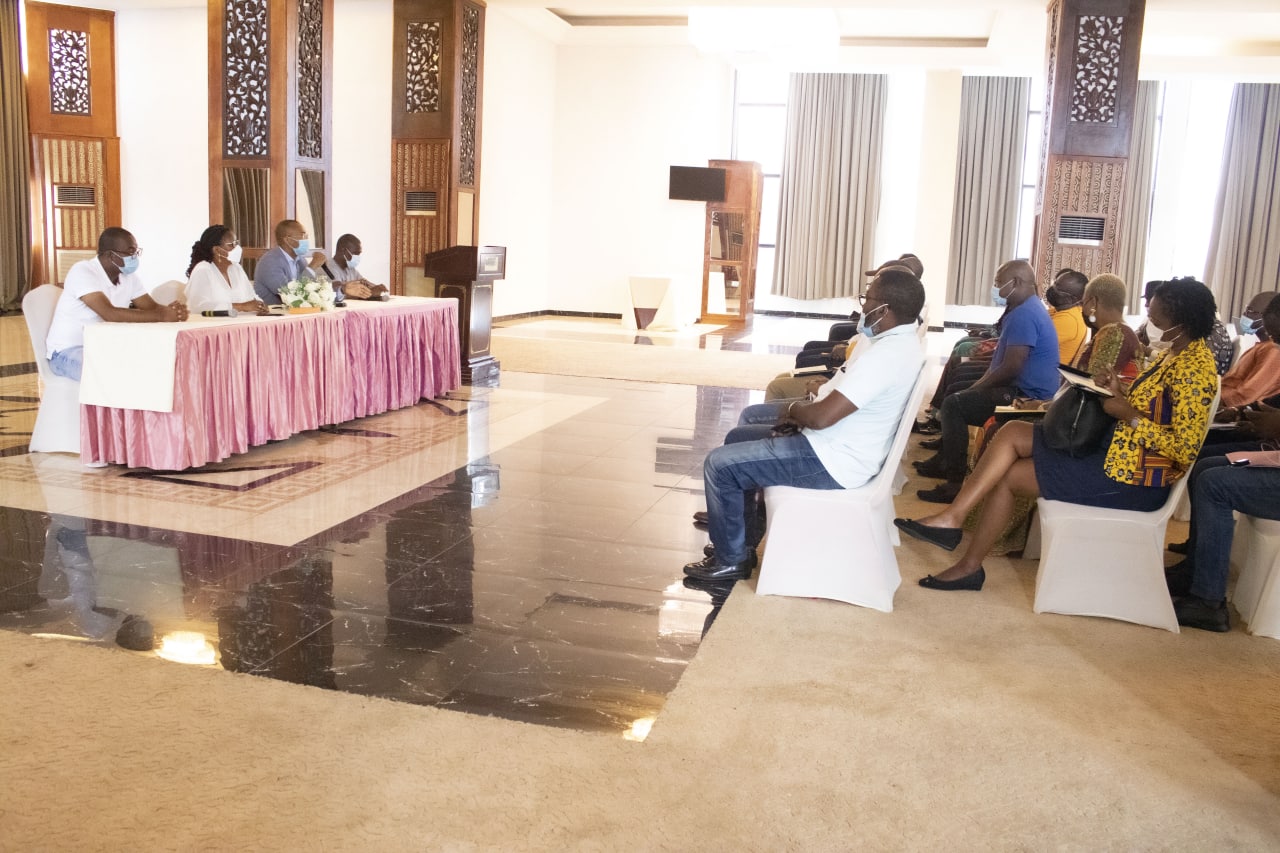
1178,547
1178,578
943,493
929,427
972,581
701,518
711,569
931,467
1196,612
944,537
931,444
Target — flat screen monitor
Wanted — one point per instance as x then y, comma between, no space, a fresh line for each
697,183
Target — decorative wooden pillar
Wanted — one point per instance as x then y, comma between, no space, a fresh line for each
1091,85
435,133
271,119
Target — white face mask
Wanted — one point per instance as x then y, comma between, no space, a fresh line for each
353,262
234,255
1157,340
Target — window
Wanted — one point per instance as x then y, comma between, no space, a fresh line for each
759,134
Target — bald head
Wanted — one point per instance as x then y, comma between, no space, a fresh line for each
289,230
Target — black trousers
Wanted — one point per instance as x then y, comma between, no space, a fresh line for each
961,410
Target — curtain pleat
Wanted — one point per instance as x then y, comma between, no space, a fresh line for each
1244,246
15,164
984,227
830,184
1135,201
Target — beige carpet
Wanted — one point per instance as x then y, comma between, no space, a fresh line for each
675,365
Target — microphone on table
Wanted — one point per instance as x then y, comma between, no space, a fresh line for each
215,313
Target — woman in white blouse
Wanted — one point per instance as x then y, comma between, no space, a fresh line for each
215,280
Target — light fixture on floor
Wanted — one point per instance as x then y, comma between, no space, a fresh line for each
187,647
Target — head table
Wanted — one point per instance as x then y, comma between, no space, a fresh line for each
172,396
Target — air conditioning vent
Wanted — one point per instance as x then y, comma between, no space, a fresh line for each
71,195
1081,230
420,202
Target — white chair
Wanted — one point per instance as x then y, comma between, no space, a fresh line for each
1255,551
852,560
57,428
170,292
1106,562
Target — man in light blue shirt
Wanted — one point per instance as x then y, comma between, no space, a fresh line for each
291,258
839,441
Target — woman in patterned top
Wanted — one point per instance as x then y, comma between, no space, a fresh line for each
1113,345
1160,425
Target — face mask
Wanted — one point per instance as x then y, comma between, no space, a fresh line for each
1157,341
1247,326
234,255
129,264
303,248
353,262
870,331
997,298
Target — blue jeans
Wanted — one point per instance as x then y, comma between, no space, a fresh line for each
1216,490
68,362
734,474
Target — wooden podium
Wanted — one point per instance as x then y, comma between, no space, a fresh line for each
467,273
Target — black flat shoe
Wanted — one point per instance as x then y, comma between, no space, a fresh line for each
972,581
701,518
1196,612
943,493
944,537
931,467
931,444
929,427
1178,547
711,569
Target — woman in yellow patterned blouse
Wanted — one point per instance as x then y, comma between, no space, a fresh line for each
1160,425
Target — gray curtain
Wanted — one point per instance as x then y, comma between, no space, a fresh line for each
1135,202
830,184
1244,246
984,226
15,165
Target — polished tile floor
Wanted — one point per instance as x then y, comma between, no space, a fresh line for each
512,551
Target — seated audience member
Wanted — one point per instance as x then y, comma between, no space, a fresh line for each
1160,423
1257,374
1114,346
1064,297
1199,583
342,268
215,280
1219,339
1025,364
102,289
839,441
291,259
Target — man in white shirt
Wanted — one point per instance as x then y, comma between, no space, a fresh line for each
343,270
102,289
839,441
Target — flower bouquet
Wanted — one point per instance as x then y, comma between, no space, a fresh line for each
307,296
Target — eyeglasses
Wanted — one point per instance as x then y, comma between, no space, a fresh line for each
137,252
230,245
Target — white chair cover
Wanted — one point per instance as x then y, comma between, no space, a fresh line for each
170,292
852,559
1255,551
57,428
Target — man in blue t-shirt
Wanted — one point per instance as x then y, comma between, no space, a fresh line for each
1025,364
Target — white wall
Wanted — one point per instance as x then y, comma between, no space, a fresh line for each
162,116
517,155
624,115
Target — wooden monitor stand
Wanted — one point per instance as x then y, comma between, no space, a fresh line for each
467,273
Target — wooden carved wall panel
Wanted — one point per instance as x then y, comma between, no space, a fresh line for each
1046,122
1081,187
1096,87
310,110
69,92
418,165
422,66
246,118
468,86
77,162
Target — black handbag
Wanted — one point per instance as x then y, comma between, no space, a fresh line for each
1075,422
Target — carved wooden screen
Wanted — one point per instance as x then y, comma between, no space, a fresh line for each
74,149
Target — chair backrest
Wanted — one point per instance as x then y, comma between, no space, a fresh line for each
883,481
37,308
170,292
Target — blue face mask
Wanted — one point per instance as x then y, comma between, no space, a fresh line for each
303,248
863,328
1247,326
997,298
129,264
353,262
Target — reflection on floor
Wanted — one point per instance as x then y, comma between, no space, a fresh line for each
514,551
